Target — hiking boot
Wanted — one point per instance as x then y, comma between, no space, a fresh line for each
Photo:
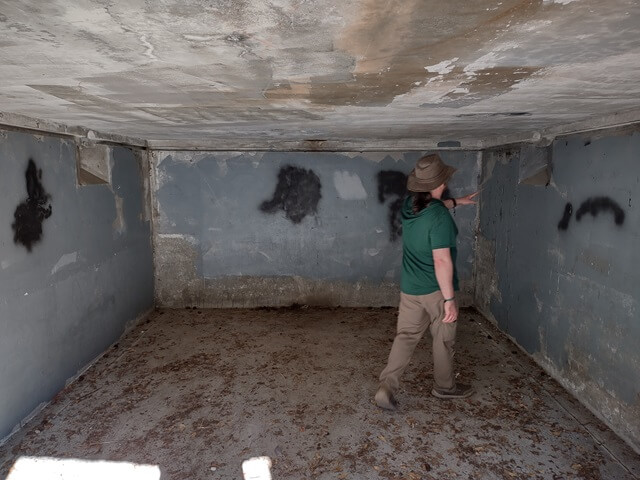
385,399
460,390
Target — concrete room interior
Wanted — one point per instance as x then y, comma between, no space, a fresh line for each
212,188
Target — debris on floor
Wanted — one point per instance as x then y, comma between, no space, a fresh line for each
198,392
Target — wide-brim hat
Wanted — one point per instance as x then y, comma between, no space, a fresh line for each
429,173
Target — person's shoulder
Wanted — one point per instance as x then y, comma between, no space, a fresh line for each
439,208
440,212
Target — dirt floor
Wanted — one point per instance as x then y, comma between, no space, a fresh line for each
197,392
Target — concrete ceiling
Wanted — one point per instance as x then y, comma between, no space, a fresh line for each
381,73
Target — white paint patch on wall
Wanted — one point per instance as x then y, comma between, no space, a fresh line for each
66,259
349,186
442,68
561,2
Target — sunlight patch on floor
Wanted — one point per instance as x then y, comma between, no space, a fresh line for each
47,468
257,468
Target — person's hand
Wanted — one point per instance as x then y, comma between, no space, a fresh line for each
450,312
467,200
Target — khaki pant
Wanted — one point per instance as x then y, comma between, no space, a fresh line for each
417,312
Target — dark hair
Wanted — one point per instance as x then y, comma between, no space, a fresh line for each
420,200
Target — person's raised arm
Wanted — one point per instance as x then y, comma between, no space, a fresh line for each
466,200
443,265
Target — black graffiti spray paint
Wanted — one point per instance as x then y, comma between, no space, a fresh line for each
29,215
563,224
595,205
392,183
297,193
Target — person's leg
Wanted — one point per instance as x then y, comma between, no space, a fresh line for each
412,323
444,339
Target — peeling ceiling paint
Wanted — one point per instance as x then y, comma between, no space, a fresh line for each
183,72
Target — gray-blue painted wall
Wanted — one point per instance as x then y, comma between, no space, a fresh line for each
215,247
67,300
569,297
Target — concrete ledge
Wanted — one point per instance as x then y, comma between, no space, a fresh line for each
35,125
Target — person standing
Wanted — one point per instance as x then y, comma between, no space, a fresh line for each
429,282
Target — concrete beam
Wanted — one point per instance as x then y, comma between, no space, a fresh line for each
543,136
547,135
35,125
228,144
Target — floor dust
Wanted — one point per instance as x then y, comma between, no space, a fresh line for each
197,392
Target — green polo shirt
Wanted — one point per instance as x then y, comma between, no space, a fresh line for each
430,229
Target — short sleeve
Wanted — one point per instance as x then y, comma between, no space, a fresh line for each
443,233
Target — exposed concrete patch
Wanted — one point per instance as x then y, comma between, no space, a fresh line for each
119,225
486,275
177,282
93,164
143,159
246,291
621,418
275,291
